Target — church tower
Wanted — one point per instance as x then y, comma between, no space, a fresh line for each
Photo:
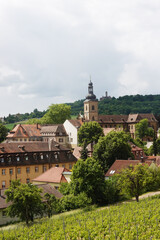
91,105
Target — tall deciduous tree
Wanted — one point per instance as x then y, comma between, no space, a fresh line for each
57,113
88,177
25,201
142,129
134,179
89,132
3,132
111,147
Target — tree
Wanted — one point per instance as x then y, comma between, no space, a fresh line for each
25,201
50,204
111,147
3,132
142,129
134,179
88,177
89,132
57,113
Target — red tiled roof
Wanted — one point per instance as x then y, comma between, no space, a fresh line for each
118,165
18,147
25,131
53,175
75,122
113,118
54,128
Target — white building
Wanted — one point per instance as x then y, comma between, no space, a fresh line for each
71,126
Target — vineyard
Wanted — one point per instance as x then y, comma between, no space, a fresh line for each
129,220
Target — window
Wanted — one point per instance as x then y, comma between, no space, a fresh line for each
93,118
27,180
9,159
18,158
3,171
2,159
36,169
42,156
56,156
60,139
4,213
70,166
26,157
11,171
57,165
93,107
56,187
71,139
19,170
46,155
27,169
63,165
3,184
44,168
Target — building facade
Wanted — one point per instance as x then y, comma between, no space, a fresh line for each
28,160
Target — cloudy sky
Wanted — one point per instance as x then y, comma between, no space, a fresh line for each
49,49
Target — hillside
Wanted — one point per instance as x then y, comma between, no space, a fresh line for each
122,105
127,221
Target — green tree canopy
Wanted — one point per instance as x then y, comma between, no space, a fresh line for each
134,179
89,132
25,201
111,147
3,132
57,113
88,177
142,129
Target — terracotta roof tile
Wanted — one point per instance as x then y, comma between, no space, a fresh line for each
75,122
113,118
25,131
16,147
53,175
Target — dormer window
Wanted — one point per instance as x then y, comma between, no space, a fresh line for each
2,159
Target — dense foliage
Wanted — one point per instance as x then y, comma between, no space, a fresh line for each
122,105
3,132
89,132
26,201
143,130
127,221
134,180
111,147
88,177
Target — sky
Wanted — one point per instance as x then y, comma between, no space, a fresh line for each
50,48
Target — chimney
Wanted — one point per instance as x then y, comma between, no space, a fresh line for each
50,144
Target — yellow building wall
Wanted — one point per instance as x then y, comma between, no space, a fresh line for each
23,176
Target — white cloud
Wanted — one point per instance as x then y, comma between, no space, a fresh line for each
49,49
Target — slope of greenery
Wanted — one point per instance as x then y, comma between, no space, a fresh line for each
122,105
129,220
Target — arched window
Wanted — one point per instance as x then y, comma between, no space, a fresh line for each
93,118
